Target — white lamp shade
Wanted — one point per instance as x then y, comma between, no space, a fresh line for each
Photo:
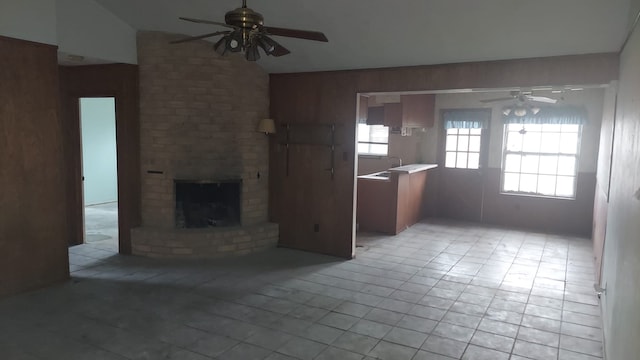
267,126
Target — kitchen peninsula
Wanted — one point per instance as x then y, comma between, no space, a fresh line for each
391,201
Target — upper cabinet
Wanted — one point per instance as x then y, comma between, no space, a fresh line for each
418,110
363,109
413,111
375,115
393,115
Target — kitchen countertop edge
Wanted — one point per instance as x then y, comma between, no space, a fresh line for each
413,168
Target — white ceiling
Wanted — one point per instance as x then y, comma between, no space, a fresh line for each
388,33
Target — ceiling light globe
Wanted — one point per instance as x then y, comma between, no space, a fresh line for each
520,112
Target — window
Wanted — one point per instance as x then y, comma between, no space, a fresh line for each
373,139
462,148
464,136
541,159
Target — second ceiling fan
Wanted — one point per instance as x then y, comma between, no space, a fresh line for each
523,96
247,33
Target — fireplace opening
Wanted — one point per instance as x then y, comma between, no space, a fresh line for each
204,203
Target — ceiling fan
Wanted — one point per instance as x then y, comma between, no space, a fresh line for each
522,97
247,33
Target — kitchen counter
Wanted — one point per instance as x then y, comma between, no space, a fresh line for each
406,169
390,201
413,168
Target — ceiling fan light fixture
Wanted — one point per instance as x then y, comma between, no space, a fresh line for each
506,111
267,44
535,110
234,41
247,33
252,53
221,45
520,111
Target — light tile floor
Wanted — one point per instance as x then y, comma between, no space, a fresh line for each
438,291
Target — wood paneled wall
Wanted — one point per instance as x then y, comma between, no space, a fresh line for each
119,81
307,194
33,221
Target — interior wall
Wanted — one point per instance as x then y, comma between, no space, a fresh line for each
103,36
621,264
33,20
119,81
99,167
603,176
538,213
33,220
304,194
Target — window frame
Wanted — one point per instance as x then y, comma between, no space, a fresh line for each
480,136
369,143
506,152
485,138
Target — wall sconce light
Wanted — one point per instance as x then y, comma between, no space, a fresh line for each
267,126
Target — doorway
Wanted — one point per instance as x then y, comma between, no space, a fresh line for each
99,172
464,156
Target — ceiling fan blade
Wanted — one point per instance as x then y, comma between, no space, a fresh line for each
542,99
200,21
498,99
300,34
192,38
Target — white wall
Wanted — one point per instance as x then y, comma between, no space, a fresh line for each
33,20
86,28
621,260
78,27
98,123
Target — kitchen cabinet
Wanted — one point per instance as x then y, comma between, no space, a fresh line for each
393,115
363,109
413,111
418,110
393,200
375,115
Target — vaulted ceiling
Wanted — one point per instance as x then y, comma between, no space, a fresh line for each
389,33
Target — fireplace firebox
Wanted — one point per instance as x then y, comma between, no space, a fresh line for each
207,203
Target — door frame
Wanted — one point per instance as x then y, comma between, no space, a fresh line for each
119,81
484,158
82,163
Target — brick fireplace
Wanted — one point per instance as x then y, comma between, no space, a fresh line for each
198,114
